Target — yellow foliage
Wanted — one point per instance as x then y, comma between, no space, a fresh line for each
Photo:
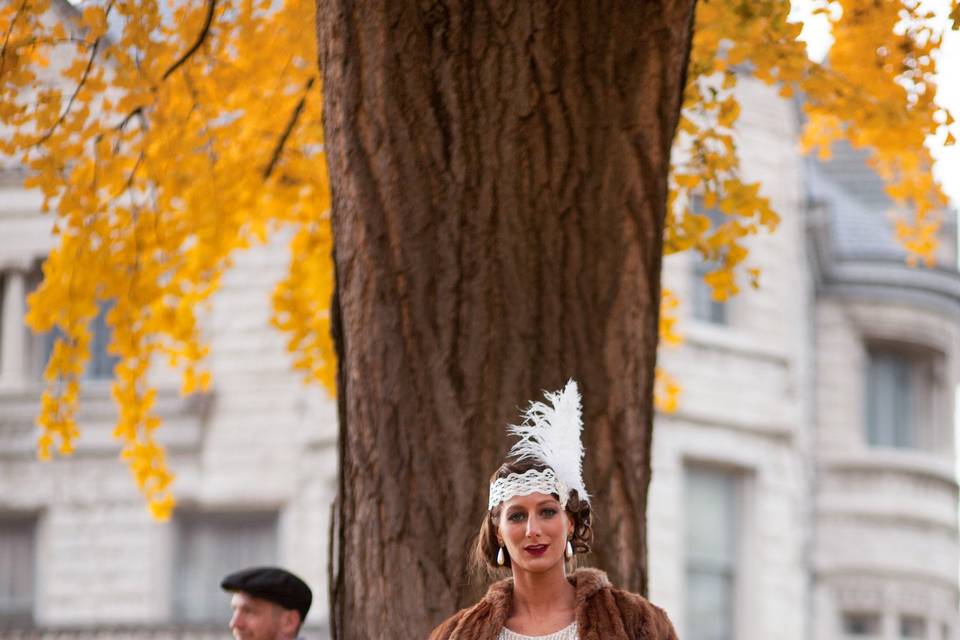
666,392
668,319
301,303
168,142
162,151
666,389
884,103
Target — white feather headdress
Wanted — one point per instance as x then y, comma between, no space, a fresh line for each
550,435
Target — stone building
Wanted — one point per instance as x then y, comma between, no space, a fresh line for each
805,489
254,459
887,345
730,514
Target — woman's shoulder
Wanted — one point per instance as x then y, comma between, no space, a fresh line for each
445,629
645,618
484,618
596,598
640,617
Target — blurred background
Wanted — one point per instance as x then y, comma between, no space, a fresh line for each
805,487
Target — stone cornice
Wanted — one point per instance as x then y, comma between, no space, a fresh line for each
909,462
877,278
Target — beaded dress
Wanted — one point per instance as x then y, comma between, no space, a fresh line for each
567,633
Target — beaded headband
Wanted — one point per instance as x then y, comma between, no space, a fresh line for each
523,484
549,435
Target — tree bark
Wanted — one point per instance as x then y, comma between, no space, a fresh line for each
499,175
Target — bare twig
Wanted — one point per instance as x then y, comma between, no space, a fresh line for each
6,38
123,123
211,6
133,172
83,79
138,113
289,129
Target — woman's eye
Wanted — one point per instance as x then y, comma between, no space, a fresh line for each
515,517
549,513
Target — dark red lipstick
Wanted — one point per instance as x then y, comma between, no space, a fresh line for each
536,550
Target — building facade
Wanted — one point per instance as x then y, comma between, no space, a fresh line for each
805,489
254,460
730,515
887,342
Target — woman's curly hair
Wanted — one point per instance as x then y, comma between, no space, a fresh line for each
485,553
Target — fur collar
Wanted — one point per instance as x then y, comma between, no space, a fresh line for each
484,620
603,613
587,582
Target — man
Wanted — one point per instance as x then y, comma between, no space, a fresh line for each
268,603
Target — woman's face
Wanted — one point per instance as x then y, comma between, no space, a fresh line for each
534,529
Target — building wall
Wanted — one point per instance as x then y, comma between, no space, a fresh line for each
773,399
886,517
745,404
260,441
828,525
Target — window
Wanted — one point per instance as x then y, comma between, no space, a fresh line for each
101,363
712,515
211,545
903,391
100,366
913,627
859,623
3,310
704,306
16,571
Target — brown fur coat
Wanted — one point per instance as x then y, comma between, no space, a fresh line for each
603,613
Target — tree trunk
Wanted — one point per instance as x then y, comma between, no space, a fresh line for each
499,174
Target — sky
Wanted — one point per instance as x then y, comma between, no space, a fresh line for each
816,34
948,158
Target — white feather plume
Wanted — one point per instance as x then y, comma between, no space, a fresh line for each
550,433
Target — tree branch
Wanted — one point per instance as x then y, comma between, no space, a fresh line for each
6,38
289,129
123,123
211,6
13,23
83,80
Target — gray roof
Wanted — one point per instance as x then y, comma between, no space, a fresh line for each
859,213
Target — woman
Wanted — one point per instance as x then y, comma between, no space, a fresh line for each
538,517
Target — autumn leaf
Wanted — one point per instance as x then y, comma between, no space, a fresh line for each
164,144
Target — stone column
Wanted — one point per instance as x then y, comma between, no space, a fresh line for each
13,348
890,629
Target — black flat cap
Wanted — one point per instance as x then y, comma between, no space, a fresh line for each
273,584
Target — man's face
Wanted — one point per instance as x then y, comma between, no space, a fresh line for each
258,619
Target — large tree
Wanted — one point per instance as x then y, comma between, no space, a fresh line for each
500,178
